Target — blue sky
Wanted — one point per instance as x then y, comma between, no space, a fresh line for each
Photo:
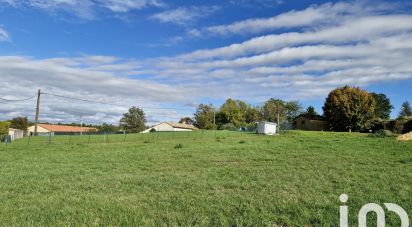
176,54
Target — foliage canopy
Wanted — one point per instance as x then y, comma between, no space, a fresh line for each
349,109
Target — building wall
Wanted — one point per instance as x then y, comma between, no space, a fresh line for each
266,128
164,127
16,134
40,131
182,130
302,123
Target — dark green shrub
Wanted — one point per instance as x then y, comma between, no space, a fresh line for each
242,142
396,126
382,133
179,146
378,125
407,127
4,130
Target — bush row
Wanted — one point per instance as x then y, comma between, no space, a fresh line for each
398,126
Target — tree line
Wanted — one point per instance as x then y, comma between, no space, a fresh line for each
235,114
345,108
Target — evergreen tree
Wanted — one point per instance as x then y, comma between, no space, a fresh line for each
406,110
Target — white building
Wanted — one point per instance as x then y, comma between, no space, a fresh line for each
170,127
15,134
267,128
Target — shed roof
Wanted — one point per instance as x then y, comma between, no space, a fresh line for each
267,122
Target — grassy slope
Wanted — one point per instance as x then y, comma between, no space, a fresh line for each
238,179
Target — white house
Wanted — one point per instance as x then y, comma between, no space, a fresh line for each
170,127
15,134
267,128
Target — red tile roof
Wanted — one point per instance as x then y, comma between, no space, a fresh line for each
67,128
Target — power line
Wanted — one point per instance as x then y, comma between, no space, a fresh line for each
114,104
16,100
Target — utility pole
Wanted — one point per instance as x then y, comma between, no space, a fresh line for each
36,120
278,113
214,119
81,125
278,116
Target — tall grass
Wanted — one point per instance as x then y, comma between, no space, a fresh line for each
293,179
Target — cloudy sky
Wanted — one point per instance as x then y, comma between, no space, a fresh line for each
169,56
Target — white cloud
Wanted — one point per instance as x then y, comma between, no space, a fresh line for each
81,8
122,6
75,77
84,9
4,35
184,15
359,29
316,15
10,2
257,3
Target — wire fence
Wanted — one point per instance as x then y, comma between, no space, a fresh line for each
90,139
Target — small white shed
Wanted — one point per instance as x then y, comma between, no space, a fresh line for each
267,128
15,134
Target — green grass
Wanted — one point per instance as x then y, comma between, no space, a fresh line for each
201,178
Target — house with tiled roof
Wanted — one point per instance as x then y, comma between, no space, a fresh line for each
49,129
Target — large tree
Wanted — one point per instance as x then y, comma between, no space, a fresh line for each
204,116
133,121
21,123
234,112
349,109
406,110
383,107
292,110
253,115
285,111
272,109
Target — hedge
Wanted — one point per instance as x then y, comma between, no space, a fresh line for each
4,129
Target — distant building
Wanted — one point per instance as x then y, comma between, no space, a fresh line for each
15,134
170,127
47,129
267,128
310,123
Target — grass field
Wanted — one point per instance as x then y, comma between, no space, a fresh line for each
226,178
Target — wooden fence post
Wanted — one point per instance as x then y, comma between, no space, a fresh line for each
28,141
